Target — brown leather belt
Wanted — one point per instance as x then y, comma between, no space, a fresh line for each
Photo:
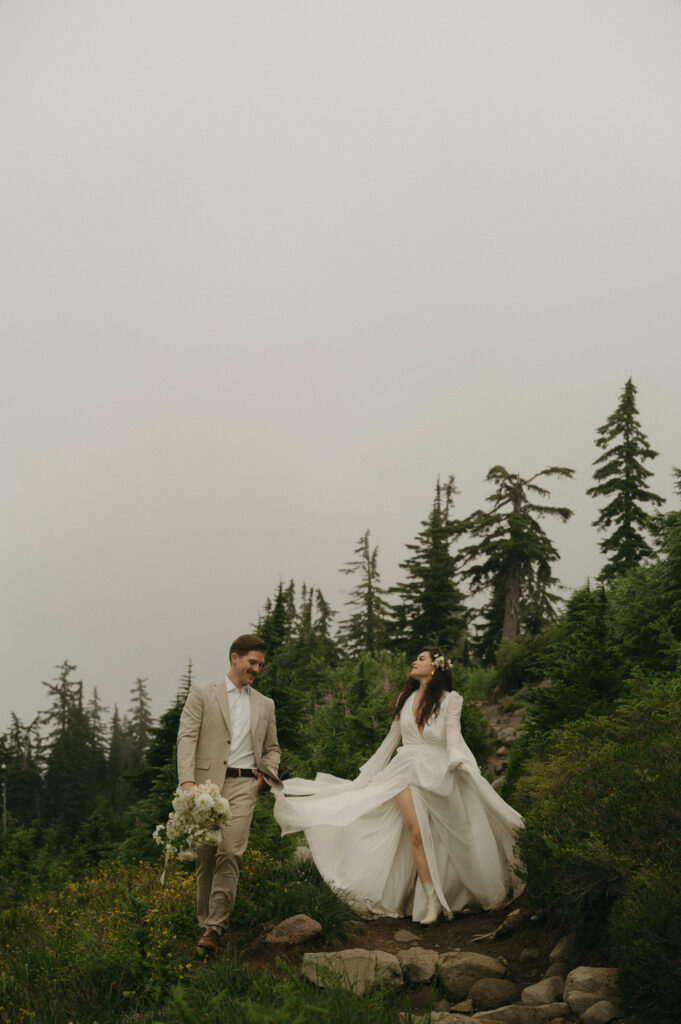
237,773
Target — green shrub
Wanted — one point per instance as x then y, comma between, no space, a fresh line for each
602,806
647,941
521,661
476,732
475,682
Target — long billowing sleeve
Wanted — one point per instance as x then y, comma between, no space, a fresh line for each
458,752
380,759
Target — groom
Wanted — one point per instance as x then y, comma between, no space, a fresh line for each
228,735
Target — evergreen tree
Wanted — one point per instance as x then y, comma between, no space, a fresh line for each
299,657
326,646
430,609
20,763
365,630
621,479
511,557
274,627
95,714
141,723
75,761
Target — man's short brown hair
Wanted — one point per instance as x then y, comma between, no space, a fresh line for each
245,643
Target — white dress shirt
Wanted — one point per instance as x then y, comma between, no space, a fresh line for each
241,753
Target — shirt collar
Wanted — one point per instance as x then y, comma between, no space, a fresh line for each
231,686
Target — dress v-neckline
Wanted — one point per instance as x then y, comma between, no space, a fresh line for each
413,715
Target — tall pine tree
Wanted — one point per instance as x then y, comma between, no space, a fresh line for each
141,723
75,759
430,607
365,630
621,477
510,557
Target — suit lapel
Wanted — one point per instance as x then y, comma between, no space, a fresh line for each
255,712
223,703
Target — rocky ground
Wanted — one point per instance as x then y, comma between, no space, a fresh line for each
525,950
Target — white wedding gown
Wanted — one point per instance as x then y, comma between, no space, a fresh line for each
357,835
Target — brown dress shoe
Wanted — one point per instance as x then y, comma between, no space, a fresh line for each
209,942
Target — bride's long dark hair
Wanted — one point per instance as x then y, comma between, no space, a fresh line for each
440,684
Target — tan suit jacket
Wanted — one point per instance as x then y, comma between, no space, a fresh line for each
204,737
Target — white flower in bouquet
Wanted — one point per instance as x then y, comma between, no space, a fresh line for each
197,819
204,802
222,805
182,800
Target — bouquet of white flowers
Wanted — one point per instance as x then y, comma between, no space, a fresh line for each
196,819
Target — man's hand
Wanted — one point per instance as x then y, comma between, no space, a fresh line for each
261,779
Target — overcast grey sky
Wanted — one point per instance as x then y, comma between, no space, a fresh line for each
269,269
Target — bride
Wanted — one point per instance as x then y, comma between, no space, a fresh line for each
423,831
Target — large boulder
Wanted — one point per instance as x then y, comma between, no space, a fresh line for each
588,985
459,970
549,990
418,965
602,1012
293,931
488,993
562,949
356,970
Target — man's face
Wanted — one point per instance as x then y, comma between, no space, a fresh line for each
244,668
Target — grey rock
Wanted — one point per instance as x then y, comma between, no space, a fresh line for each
585,986
517,1013
294,930
529,954
549,990
418,965
465,1006
602,1012
489,993
558,969
507,736
458,971
355,970
562,949
402,935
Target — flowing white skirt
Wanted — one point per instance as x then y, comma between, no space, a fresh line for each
361,846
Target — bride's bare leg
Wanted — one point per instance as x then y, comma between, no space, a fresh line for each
405,802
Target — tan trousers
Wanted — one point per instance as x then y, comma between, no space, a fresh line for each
217,867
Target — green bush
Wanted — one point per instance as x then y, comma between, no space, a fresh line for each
599,810
475,682
521,661
476,732
647,942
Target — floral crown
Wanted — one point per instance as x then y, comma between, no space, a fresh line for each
441,662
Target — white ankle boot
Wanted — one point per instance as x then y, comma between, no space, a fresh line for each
433,909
